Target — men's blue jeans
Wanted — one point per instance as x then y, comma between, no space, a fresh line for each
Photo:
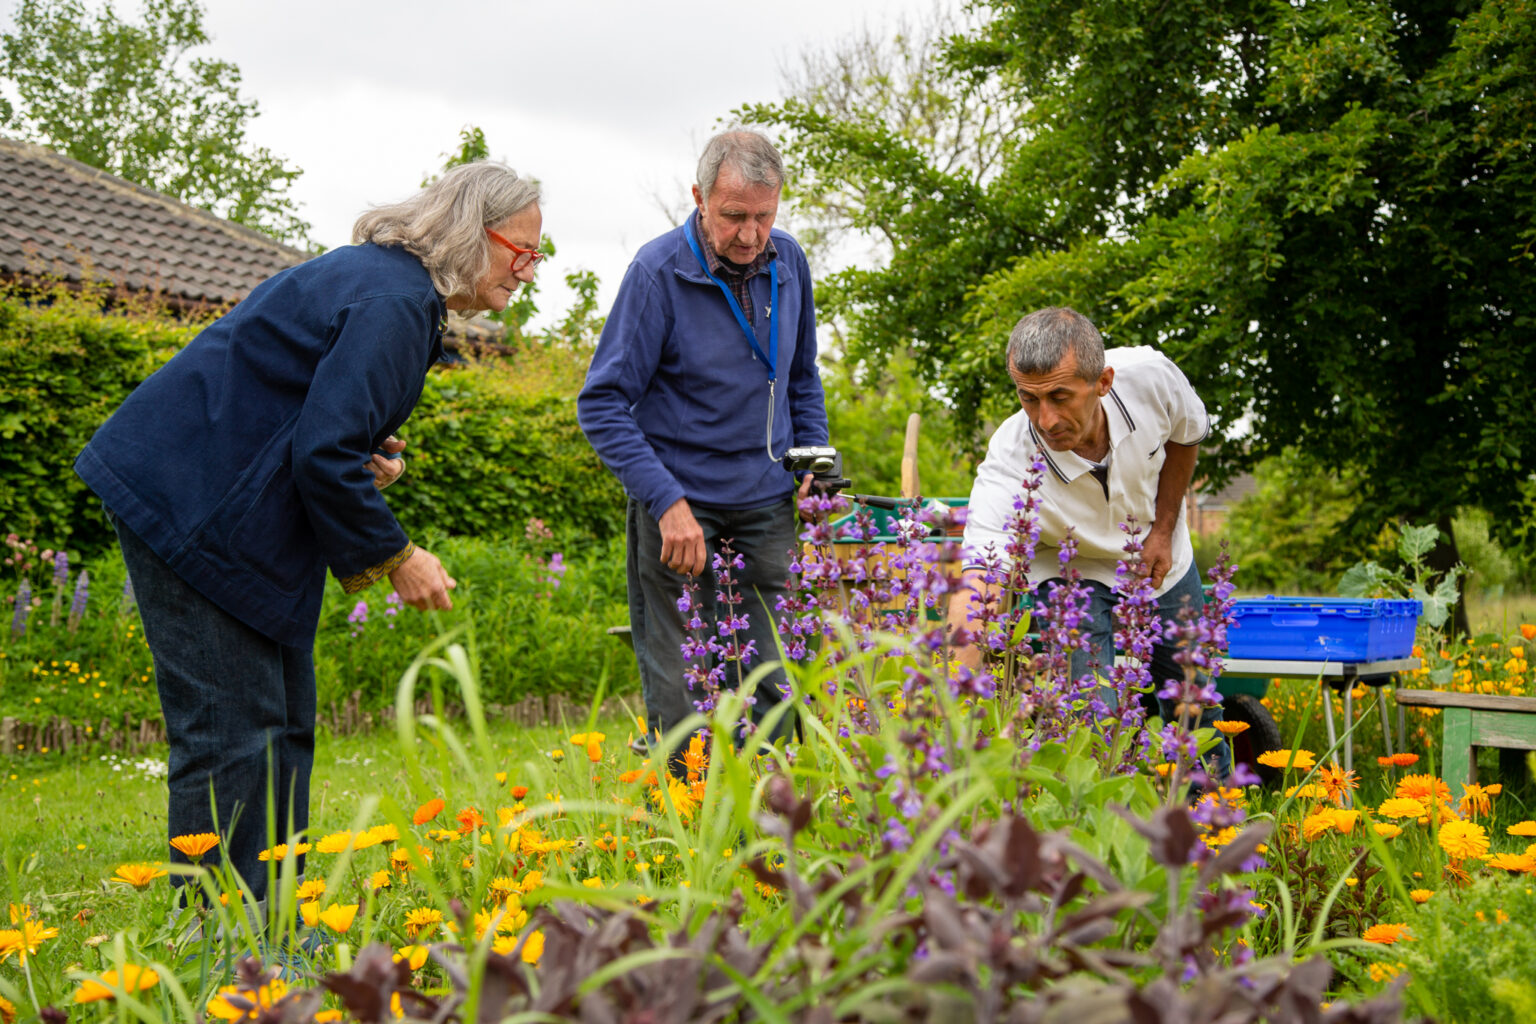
764,537
235,702
1100,627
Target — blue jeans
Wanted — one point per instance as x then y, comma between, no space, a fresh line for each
1100,627
764,537
235,702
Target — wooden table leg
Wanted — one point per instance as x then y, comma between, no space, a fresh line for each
1456,750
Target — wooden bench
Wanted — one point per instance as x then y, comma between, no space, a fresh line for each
1475,720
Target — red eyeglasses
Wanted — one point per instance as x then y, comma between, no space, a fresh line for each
520,257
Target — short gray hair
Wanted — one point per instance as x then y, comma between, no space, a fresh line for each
1041,340
444,224
750,153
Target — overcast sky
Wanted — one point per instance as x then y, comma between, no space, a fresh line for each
605,101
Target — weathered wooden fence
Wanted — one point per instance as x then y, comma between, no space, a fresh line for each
58,734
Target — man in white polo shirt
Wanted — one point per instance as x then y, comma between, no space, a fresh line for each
1119,432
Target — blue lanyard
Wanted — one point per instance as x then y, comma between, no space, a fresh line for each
770,359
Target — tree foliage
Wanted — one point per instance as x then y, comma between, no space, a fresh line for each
1324,212
130,99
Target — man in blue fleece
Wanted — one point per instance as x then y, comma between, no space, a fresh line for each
704,376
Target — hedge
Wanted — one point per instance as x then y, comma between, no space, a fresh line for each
491,445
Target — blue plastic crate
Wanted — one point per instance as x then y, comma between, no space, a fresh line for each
1323,629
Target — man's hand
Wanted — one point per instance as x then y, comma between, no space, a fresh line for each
682,539
422,582
800,496
386,471
1156,557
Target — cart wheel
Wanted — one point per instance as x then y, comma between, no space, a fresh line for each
1261,736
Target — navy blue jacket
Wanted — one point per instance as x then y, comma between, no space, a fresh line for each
675,402
240,462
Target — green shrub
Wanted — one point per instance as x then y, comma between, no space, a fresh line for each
531,636
491,444
64,367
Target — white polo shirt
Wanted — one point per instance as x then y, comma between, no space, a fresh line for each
1150,403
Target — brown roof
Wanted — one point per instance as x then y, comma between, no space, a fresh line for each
63,219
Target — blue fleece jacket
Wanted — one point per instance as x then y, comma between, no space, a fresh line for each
240,461
675,401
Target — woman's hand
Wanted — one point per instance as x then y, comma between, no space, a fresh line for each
422,582
386,470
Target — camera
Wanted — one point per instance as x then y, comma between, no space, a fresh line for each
822,462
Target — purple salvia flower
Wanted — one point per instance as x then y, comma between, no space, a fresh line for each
78,602
23,608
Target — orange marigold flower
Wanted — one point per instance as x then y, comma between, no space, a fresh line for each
1387,830
533,948
416,956
1307,791
1387,934
1523,828
1477,801
1402,807
338,917
1463,839
311,890
251,1002
518,792
280,852
1515,863
594,751
632,775
1227,728
1424,788
427,811
194,846
469,819
138,875
133,979
1316,825
336,842
379,880
1405,760
1420,895
1385,760
1300,760
24,940
8,1011
1528,630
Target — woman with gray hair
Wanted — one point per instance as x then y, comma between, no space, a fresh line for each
253,461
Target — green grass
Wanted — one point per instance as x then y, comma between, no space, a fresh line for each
71,819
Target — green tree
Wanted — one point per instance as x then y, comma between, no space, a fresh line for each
128,98
1325,213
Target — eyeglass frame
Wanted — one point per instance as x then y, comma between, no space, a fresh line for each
523,257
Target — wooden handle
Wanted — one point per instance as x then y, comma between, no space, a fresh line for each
911,487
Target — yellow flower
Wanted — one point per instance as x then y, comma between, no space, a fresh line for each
1308,791
592,883
416,956
581,739
134,979
1524,828
310,912
1387,830
1421,895
1163,769
531,881
338,917
1384,972
336,842
1387,934
253,1003
194,846
385,833
1230,728
138,875
1401,807
379,880
311,890
1300,760
7,1008
1463,839
280,852
533,948
1314,826
503,888
25,940
422,921
329,1017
